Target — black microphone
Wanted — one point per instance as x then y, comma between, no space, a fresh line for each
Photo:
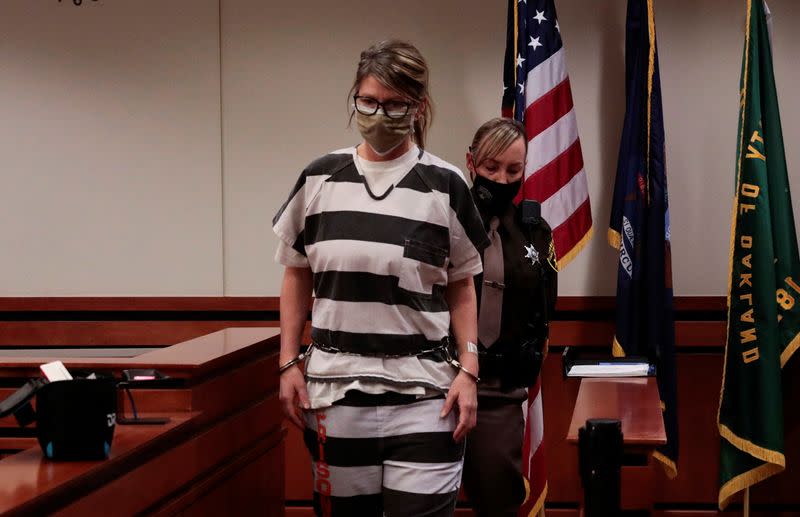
531,211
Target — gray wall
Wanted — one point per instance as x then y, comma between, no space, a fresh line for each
145,145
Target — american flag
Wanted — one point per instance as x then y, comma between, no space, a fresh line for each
533,462
537,92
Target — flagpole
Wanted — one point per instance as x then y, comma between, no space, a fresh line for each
747,502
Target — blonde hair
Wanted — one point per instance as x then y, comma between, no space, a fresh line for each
399,66
494,137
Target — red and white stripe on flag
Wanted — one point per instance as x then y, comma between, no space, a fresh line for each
554,173
533,461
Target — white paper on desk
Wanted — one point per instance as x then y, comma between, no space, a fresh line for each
609,370
55,371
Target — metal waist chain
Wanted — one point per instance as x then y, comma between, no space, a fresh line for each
444,349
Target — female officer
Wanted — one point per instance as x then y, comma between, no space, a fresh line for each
517,292
389,239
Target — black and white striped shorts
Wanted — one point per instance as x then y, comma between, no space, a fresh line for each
387,454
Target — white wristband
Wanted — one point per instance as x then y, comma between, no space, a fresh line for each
472,347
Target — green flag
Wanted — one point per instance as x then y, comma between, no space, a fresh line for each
764,289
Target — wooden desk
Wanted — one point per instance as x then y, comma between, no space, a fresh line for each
188,359
635,402
221,452
33,484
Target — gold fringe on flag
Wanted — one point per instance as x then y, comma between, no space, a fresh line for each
571,254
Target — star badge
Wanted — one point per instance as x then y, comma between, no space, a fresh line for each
532,254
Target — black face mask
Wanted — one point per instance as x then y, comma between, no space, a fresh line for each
492,196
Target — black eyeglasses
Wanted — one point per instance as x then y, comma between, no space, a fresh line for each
369,106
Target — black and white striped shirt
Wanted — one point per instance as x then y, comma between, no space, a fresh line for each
381,264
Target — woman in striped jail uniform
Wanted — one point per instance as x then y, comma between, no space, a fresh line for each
388,238
516,293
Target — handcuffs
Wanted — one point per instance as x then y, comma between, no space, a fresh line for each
292,362
448,357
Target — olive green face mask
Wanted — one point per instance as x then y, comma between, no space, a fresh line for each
384,134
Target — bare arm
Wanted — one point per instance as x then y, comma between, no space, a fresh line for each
464,322
295,302
464,319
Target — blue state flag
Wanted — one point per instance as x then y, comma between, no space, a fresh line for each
639,226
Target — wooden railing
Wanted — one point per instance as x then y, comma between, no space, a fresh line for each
585,322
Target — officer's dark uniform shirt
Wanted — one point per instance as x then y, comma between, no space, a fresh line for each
530,279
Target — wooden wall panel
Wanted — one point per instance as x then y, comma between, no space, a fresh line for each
111,333
688,334
783,488
240,489
307,511
139,303
162,333
732,512
298,466
699,378
581,322
581,333
204,451
562,458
